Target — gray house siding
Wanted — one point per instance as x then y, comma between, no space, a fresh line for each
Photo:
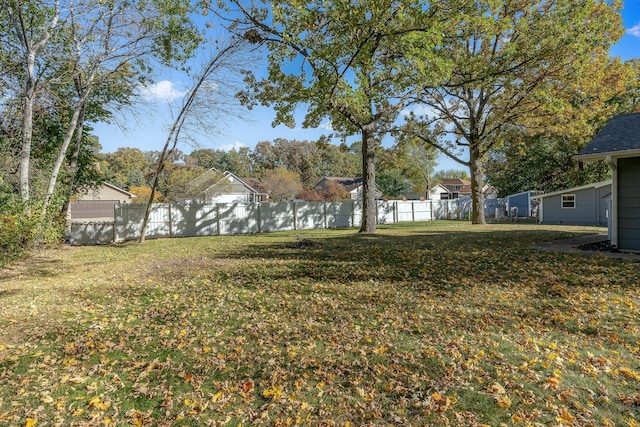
591,207
522,201
629,203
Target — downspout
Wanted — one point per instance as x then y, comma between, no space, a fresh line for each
613,232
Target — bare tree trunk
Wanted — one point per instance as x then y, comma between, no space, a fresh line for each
369,208
27,133
62,153
477,196
73,164
220,60
31,49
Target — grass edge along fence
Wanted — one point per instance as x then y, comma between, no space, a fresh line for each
188,220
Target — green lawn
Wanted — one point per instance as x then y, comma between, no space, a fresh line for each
438,323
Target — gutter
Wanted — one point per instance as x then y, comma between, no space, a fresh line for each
613,229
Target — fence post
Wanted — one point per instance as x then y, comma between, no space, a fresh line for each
218,219
259,218
353,213
115,221
324,206
170,221
295,223
396,216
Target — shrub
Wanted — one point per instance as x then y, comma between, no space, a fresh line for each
20,231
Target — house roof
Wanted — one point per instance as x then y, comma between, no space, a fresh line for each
120,190
455,181
570,190
620,137
254,184
347,182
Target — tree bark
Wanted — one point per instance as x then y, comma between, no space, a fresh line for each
71,129
73,164
477,196
369,208
27,129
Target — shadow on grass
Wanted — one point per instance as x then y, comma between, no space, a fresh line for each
421,260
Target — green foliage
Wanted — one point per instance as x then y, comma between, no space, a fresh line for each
281,184
22,228
541,65
393,184
311,160
449,174
541,163
356,63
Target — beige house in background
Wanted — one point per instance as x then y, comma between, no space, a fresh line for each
98,204
108,191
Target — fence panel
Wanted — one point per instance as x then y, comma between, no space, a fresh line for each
422,211
356,214
405,211
189,220
386,212
237,218
310,215
493,207
339,214
91,233
276,216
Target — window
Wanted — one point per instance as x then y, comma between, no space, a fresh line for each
568,201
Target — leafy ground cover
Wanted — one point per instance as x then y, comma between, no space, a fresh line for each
438,323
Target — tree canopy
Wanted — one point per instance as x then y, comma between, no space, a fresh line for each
531,64
349,62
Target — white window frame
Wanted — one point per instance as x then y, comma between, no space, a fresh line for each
567,199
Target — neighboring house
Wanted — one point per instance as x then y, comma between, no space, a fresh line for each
435,193
98,204
352,185
458,187
584,205
227,188
522,204
618,143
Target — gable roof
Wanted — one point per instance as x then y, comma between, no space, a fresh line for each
253,183
570,190
620,137
231,176
120,190
349,183
455,181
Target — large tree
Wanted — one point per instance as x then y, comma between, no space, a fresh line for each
27,29
349,61
534,64
69,53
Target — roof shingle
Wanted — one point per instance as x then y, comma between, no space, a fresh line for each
621,133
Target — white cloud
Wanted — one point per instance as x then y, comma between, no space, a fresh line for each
162,91
634,31
419,110
228,147
326,125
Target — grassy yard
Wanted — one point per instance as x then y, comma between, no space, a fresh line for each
437,323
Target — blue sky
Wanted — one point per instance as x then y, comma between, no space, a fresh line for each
149,130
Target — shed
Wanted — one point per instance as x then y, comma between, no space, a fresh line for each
584,205
618,143
522,205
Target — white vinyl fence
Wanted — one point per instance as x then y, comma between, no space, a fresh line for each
187,220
